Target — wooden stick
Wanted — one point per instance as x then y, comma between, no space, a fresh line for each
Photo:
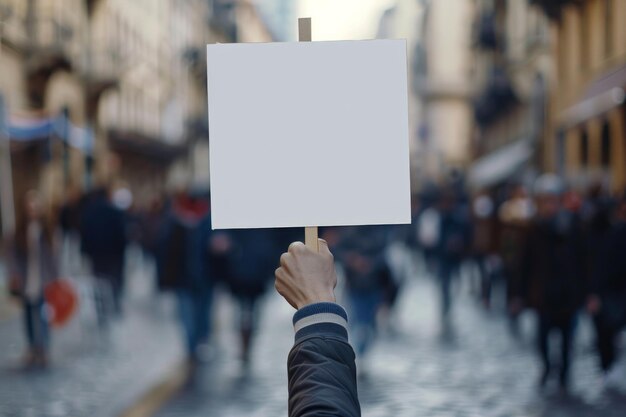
304,35
310,238
304,29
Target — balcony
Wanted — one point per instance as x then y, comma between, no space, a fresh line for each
101,73
496,98
552,8
486,33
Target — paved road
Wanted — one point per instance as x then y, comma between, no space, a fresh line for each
480,371
92,373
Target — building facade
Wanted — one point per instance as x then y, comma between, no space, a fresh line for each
443,82
111,91
513,72
588,141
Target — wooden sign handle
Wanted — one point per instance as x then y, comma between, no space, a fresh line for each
304,35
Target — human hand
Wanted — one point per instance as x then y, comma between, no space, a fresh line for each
306,277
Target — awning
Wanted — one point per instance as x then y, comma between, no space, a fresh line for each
150,149
499,165
602,95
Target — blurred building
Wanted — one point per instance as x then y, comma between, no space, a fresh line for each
280,16
444,84
112,90
403,21
512,75
589,136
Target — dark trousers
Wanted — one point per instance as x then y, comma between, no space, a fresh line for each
606,335
448,270
564,324
36,325
364,306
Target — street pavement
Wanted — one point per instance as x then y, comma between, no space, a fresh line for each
92,372
477,369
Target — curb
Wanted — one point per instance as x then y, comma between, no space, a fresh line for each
148,403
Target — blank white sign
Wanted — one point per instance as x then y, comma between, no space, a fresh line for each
308,134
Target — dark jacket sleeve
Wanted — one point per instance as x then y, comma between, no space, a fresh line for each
321,368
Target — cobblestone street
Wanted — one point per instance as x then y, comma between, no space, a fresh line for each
92,373
480,371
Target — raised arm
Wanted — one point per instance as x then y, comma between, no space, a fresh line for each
321,368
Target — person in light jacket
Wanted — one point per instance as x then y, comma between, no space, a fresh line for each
33,265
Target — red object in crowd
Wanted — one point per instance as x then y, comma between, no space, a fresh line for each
62,300
572,201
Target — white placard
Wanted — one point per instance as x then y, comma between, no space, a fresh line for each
308,134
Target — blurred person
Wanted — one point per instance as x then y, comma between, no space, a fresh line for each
361,251
103,241
515,216
151,223
33,265
321,365
484,244
453,244
69,222
607,300
553,273
398,270
251,257
428,236
182,254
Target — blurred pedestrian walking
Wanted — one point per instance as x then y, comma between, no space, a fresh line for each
33,264
485,244
69,222
515,216
251,260
453,246
607,301
553,274
361,251
103,241
182,267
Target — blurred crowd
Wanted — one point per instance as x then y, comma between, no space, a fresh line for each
547,248
551,249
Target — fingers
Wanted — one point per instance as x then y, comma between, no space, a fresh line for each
296,247
281,286
323,245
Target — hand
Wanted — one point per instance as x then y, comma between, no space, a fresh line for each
305,277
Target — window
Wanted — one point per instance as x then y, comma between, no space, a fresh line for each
584,37
608,28
605,156
584,149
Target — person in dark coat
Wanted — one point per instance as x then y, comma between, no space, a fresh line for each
361,251
553,275
607,301
453,244
182,267
103,241
321,365
250,261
